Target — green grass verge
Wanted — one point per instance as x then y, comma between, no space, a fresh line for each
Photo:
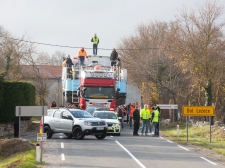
26,159
199,136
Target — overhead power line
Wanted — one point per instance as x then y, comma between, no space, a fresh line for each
55,45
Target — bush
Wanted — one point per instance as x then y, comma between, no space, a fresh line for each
15,94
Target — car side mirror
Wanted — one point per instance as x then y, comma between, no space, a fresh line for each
69,117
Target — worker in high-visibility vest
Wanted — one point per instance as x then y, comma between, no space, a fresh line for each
145,117
82,54
155,119
95,41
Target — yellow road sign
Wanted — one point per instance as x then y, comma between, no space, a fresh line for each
198,111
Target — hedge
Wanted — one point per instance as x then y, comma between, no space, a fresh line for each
15,94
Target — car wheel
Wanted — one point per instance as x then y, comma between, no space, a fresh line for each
77,133
47,130
69,136
101,136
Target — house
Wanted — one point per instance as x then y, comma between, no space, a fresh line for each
47,79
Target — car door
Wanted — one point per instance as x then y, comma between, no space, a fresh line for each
56,124
66,122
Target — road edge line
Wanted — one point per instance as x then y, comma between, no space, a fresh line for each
208,161
131,155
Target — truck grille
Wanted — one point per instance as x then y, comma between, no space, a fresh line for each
98,123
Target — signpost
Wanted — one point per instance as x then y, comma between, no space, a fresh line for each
41,137
33,111
168,106
198,111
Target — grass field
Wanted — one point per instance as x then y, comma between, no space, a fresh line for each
199,136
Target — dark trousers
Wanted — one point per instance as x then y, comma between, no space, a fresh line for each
113,63
127,118
16,130
95,49
156,125
136,127
81,60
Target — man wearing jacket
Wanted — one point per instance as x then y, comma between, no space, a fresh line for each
155,119
82,54
145,117
95,41
113,57
120,115
136,119
69,64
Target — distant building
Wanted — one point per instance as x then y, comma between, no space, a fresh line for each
51,77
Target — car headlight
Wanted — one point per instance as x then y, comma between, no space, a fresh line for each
87,123
116,125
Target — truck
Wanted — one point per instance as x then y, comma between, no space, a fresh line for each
94,84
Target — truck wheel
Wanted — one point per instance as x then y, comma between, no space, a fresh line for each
77,133
69,136
47,130
101,136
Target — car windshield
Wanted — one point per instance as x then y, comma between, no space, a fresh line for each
81,114
96,108
98,92
105,115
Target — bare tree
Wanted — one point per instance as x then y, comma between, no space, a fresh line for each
202,45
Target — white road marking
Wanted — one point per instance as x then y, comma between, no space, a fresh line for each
62,156
62,145
111,136
208,161
61,137
131,155
183,148
161,137
169,141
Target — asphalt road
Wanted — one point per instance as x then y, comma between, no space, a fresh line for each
125,151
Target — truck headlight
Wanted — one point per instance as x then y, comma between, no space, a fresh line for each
87,123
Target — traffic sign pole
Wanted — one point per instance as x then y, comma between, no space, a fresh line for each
198,111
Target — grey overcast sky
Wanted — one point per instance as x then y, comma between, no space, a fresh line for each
74,22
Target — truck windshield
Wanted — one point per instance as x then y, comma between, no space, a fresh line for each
97,92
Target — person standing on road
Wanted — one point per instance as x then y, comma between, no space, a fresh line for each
120,115
155,120
53,104
136,118
82,54
95,41
145,117
150,122
132,108
113,57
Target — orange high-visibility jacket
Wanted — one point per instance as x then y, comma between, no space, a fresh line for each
82,53
131,110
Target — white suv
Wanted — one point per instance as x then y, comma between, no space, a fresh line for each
74,123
